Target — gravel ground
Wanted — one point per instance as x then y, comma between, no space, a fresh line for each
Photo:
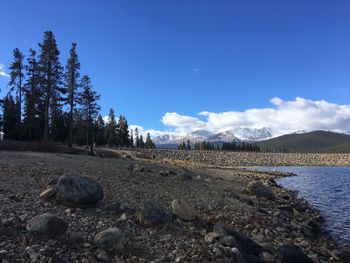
216,194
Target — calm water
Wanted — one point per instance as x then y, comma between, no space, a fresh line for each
327,189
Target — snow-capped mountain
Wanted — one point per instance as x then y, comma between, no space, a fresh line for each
247,134
203,134
165,138
237,134
226,136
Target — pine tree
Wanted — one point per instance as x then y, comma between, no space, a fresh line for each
100,130
188,145
88,101
71,77
50,76
16,84
111,128
141,142
10,120
149,143
123,132
132,138
31,118
137,138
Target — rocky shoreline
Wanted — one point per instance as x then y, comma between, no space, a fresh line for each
235,159
153,210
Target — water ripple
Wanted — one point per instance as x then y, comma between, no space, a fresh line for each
327,189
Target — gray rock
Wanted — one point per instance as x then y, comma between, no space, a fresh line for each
210,237
260,190
229,241
80,191
267,257
111,240
48,193
164,173
52,183
151,213
183,210
48,225
245,243
292,254
186,176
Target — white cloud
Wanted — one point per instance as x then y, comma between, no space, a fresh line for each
2,71
152,132
283,117
182,123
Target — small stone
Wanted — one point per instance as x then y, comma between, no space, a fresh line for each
122,218
130,167
210,237
163,173
111,240
183,210
267,257
23,217
48,225
48,193
102,255
245,243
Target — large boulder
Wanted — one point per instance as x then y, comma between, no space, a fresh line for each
48,225
260,190
292,254
111,240
78,191
151,213
183,210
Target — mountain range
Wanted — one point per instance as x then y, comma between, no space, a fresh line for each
237,134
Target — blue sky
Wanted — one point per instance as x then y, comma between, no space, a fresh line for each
152,59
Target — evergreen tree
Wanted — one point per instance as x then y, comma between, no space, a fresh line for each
50,77
188,145
149,143
123,132
137,138
79,127
31,120
111,128
10,120
71,77
100,131
88,102
16,84
131,138
141,142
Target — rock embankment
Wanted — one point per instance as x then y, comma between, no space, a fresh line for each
131,210
234,159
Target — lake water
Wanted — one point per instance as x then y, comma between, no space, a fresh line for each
327,189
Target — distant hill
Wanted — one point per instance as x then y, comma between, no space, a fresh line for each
316,141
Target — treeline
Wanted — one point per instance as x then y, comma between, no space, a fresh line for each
49,102
226,146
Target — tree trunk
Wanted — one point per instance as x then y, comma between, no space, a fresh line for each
70,138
